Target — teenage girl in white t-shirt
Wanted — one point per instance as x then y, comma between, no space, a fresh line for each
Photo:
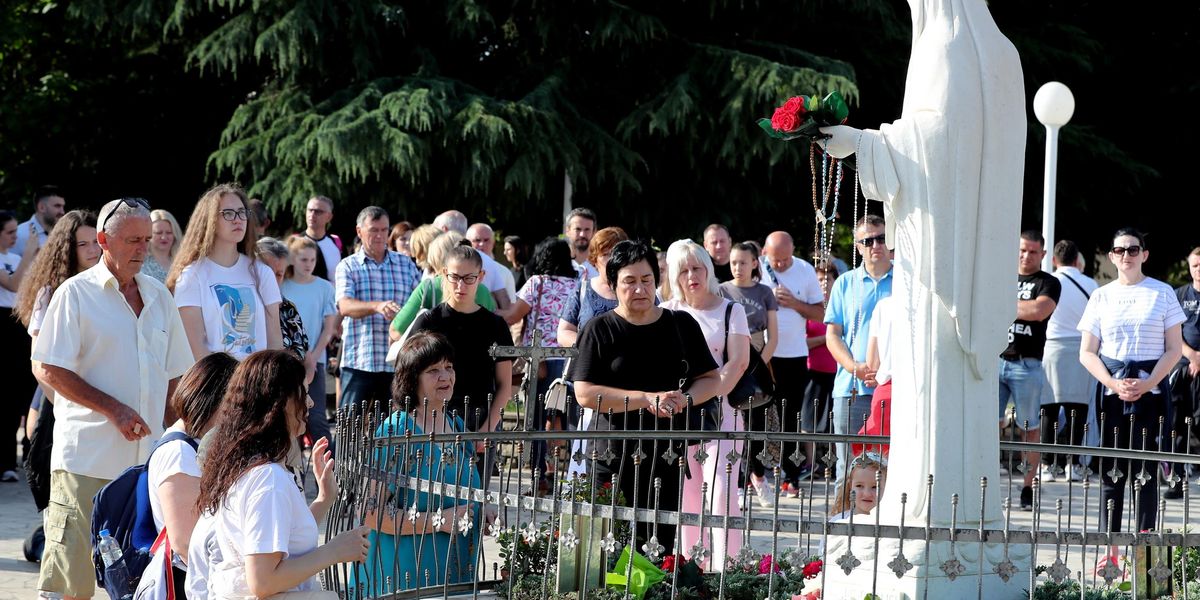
173,471
266,532
1131,341
695,290
229,302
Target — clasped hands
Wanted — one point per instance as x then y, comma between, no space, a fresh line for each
1130,389
864,373
666,404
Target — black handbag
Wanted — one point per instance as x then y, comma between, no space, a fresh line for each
694,418
756,386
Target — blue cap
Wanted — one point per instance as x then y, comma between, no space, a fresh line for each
103,532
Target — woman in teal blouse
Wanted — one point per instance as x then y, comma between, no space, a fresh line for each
431,538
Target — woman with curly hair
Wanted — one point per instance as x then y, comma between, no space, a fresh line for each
266,533
228,300
70,249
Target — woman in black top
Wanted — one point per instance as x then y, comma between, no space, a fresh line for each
636,365
471,330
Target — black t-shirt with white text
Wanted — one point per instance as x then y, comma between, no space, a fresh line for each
1027,339
471,335
1189,301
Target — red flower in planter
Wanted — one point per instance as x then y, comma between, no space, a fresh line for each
813,569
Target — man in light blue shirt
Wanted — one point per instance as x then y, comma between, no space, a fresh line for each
848,315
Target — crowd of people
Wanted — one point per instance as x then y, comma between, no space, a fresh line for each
206,352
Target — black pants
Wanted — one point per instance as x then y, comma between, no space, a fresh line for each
19,386
1185,395
755,419
791,378
641,487
1069,431
1127,429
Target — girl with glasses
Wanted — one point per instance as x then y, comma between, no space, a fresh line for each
1131,340
228,300
484,383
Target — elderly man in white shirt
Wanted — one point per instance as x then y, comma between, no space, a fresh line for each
113,347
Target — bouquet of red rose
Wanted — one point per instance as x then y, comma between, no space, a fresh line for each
803,116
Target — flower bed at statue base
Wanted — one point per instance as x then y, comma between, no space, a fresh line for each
747,576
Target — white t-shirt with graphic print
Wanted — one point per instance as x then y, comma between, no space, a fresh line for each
232,303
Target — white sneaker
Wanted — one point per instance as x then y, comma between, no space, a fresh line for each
764,490
741,499
1046,472
9,476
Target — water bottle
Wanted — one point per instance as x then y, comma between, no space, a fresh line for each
116,573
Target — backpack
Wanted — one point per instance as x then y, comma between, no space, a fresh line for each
122,507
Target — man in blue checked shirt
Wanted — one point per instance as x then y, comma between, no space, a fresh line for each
371,286
851,304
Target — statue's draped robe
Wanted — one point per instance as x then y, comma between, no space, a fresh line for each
949,172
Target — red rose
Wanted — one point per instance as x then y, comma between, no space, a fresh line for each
812,569
783,120
669,564
794,105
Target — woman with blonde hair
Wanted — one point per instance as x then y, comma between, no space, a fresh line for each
418,246
228,300
163,246
695,290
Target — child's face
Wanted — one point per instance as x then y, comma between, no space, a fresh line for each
862,483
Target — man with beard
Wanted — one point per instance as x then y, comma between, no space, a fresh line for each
578,229
48,205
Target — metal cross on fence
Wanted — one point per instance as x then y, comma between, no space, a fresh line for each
534,354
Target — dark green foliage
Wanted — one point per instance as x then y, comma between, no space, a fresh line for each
487,106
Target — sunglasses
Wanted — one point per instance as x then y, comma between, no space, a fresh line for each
1121,250
130,202
871,241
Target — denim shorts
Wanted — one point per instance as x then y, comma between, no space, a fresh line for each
1022,381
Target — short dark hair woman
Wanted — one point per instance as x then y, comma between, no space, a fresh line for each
268,534
429,549
1131,340
639,362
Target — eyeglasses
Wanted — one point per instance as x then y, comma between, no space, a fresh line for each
1121,250
130,202
871,241
869,459
455,278
232,215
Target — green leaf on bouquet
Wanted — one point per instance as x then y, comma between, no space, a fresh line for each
836,107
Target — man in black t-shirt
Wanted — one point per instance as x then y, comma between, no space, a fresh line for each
1022,378
1185,377
718,243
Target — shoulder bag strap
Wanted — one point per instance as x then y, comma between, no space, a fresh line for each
725,349
1072,280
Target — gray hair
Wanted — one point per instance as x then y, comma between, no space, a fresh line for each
272,247
452,220
114,213
368,214
677,256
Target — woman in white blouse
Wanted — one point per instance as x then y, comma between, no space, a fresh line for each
266,532
695,290
1131,341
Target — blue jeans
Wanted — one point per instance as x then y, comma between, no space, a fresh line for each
318,424
848,418
367,390
1022,381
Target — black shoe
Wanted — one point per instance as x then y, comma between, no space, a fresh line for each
34,544
1174,492
1026,498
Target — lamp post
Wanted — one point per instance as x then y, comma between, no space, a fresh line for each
1053,104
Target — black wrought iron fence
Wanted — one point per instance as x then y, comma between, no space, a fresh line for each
593,534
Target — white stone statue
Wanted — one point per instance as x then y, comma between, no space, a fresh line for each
949,173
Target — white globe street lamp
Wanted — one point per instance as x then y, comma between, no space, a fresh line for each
1053,104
